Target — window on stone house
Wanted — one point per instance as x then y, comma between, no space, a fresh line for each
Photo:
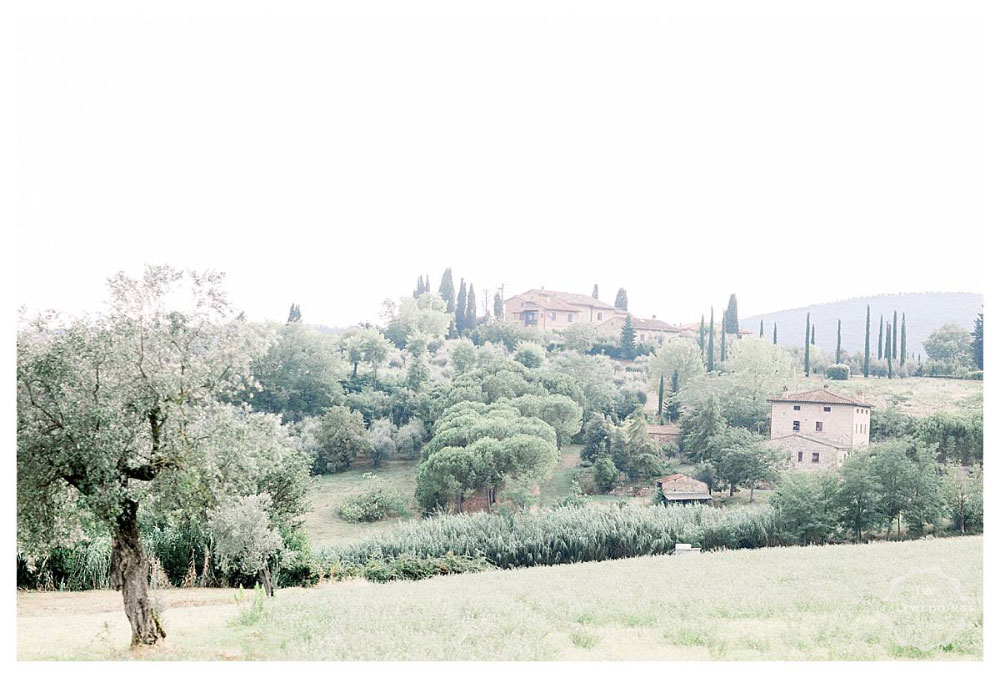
569,317
600,316
797,407
800,456
826,409
819,426
552,316
815,457
796,425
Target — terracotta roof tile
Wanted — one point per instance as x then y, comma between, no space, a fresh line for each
819,395
550,298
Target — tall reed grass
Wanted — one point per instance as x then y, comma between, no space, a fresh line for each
565,535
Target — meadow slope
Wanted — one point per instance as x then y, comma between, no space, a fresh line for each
833,602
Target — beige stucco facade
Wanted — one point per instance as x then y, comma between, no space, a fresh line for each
819,428
550,310
844,424
811,454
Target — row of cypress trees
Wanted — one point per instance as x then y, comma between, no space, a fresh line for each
891,345
461,305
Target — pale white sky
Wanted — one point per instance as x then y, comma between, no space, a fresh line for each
330,161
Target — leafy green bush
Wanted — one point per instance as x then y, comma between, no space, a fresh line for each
412,568
838,372
376,502
605,473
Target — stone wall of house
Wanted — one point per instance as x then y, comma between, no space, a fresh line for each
809,455
551,319
843,424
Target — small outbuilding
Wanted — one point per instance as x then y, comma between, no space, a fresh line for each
662,434
681,489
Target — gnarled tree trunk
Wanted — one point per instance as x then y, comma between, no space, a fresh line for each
130,574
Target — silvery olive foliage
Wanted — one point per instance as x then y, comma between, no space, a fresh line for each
125,406
243,537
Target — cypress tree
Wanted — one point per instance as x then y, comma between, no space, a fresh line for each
594,293
838,341
701,336
470,310
722,344
731,323
460,305
887,351
761,328
628,338
902,341
711,340
675,387
880,340
621,299
294,314
895,337
813,339
774,339
659,402
447,290
977,342
808,325
868,341
497,306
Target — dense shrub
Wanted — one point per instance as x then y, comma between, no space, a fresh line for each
954,436
888,423
838,372
565,535
376,502
605,473
530,355
412,568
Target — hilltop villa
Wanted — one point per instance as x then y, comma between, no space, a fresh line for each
818,428
551,310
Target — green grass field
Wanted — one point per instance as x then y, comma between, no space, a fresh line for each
833,602
327,492
916,396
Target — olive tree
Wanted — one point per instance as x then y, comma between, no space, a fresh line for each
245,542
106,404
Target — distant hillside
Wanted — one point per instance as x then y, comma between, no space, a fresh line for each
925,312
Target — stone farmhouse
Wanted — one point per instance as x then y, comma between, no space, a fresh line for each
552,310
647,330
818,429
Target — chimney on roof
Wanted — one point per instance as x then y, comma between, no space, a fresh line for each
654,316
784,391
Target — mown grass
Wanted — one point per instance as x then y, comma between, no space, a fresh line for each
823,603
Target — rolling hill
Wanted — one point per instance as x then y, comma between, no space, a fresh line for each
925,312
